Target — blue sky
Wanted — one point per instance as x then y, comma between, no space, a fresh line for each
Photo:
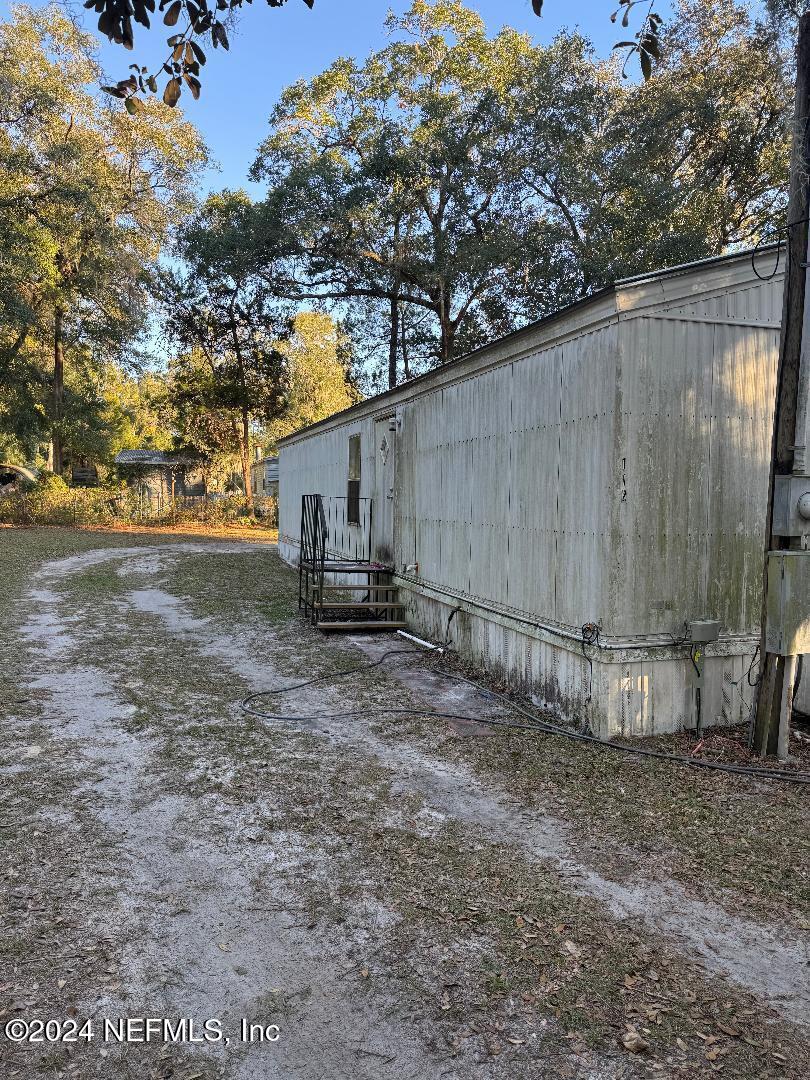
274,47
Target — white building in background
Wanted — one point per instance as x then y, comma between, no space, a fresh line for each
606,467
264,475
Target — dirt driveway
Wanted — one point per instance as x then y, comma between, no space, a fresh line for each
381,897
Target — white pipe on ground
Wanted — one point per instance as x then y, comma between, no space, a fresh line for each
418,640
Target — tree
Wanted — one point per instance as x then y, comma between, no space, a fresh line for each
90,193
228,376
317,376
485,182
115,411
632,177
399,177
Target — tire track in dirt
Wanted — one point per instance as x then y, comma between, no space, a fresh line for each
199,943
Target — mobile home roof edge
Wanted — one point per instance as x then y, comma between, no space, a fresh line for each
560,313
629,283
697,264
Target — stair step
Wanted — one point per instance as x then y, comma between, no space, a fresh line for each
373,625
359,588
356,605
344,568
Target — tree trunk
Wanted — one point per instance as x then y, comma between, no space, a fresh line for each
244,448
393,339
58,391
448,330
406,363
772,668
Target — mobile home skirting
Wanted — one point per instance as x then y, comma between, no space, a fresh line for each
607,466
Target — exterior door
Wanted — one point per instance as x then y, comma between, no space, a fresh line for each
385,456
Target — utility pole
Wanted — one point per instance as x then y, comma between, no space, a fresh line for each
786,589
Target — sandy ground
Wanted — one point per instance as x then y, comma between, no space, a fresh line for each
170,856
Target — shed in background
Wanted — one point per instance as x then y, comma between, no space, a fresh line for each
159,475
264,475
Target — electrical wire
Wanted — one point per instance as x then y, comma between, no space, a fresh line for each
751,668
537,724
779,236
797,682
590,636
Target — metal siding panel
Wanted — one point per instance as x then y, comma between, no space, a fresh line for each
743,388
489,464
661,510
535,481
586,406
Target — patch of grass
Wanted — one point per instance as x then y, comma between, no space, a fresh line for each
719,834
255,585
97,583
493,944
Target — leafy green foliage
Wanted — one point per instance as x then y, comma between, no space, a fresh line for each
89,192
316,376
475,183
398,180
647,43
228,375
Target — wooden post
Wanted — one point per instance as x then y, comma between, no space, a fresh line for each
770,696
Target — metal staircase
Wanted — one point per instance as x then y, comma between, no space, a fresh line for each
370,603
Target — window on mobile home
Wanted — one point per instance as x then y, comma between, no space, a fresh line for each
353,493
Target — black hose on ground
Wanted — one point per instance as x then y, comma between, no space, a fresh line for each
537,723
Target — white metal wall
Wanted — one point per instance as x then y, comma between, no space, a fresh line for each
504,481
693,419
320,466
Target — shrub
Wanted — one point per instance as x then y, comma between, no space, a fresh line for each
47,485
51,502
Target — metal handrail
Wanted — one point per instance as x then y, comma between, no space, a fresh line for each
328,538
313,549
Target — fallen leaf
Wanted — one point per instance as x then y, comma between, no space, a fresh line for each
727,1029
635,1043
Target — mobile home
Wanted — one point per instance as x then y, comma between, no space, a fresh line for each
587,494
